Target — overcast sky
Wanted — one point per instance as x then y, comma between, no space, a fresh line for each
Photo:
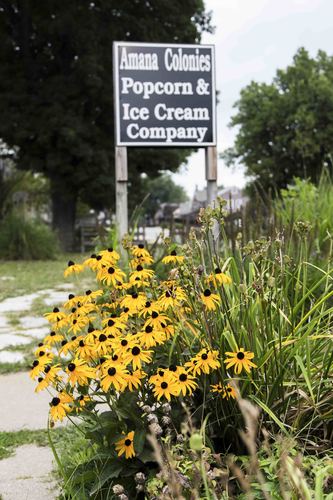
253,38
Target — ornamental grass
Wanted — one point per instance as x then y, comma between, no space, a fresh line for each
141,355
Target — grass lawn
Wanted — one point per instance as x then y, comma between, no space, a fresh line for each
22,277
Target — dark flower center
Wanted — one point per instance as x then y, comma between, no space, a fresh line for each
55,310
148,329
115,357
55,401
126,309
42,353
40,379
134,295
74,322
173,368
218,270
40,344
88,292
167,294
35,363
112,371
110,322
136,351
128,442
154,314
139,268
99,257
71,296
102,360
204,356
164,385
91,329
110,249
173,252
124,342
148,304
81,343
74,337
64,342
73,309
71,367
47,369
111,270
102,337
93,256
70,263
52,334
182,377
240,355
141,246
161,373
207,292
229,389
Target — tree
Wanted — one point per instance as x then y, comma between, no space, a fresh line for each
286,127
56,95
161,189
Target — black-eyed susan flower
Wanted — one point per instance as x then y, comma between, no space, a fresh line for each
71,302
113,374
150,337
137,355
134,301
210,300
139,251
133,379
111,275
173,258
73,268
156,320
164,384
148,308
110,255
229,392
113,326
205,361
218,278
239,360
37,366
42,384
125,446
101,345
79,372
93,262
78,323
53,337
84,350
185,382
142,273
55,316
58,409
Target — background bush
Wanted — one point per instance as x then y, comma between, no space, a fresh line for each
21,238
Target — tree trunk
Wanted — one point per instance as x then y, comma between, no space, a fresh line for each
63,214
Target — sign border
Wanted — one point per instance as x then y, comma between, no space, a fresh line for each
117,96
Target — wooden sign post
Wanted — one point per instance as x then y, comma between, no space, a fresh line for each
164,96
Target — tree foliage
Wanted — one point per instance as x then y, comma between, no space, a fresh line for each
286,127
56,93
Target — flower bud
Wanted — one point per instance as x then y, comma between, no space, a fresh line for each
118,489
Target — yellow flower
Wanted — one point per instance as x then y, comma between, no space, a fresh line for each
173,258
141,273
126,446
140,252
113,375
79,372
73,268
58,409
111,275
157,320
110,255
210,300
227,392
133,379
148,308
134,301
101,345
239,360
53,338
55,315
150,337
184,382
164,384
172,297
205,361
78,323
219,278
137,356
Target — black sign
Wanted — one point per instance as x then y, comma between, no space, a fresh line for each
164,94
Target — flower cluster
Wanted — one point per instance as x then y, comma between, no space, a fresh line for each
118,338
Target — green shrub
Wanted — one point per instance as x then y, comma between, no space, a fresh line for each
23,239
